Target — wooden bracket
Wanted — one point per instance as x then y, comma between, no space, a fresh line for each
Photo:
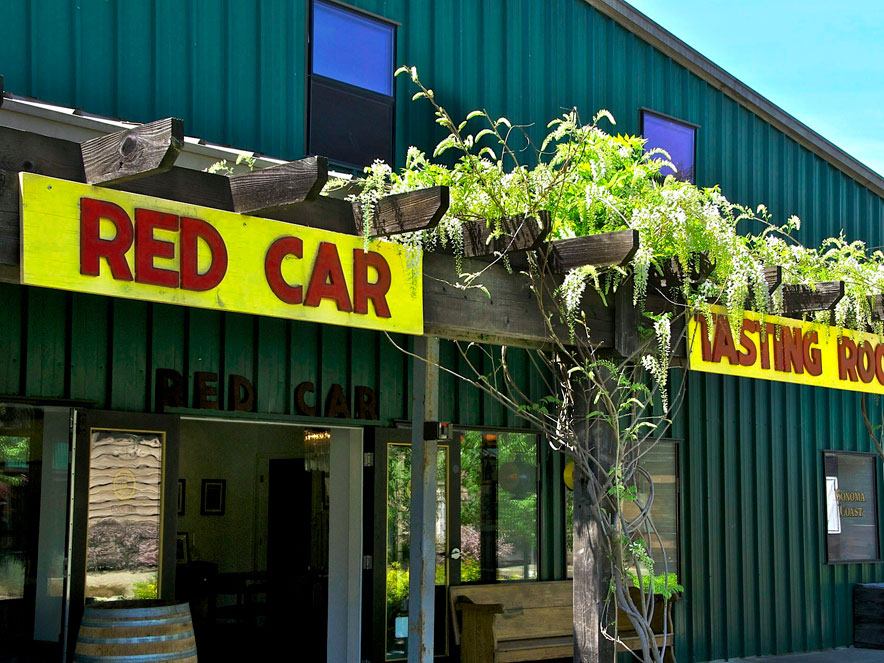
774,277
138,152
279,187
518,233
799,299
405,212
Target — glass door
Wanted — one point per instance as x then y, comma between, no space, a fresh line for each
393,476
34,459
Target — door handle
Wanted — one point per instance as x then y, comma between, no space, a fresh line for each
454,554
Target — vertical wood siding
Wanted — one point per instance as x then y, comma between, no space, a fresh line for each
752,521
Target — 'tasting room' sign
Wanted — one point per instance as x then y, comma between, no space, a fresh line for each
90,239
787,350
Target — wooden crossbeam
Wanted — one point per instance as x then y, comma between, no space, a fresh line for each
138,152
518,233
510,316
279,186
405,212
800,299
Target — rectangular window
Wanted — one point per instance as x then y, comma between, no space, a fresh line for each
851,506
351,107
661,465
677,137
498,506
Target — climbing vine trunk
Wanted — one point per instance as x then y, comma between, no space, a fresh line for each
592,570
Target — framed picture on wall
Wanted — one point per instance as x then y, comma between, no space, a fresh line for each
213,497
182,484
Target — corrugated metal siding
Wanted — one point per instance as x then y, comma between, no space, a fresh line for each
754,562
56,344
235,71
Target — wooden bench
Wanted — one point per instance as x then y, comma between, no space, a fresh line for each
526,621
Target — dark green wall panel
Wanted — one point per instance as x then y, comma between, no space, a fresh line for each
56,344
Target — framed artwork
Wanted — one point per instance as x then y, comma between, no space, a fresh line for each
182,548
182,485
213,497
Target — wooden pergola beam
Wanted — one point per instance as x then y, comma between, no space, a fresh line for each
279,187
405,212
138,152
602,250
800,299
508,314
518,233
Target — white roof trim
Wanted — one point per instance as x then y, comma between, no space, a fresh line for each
73,125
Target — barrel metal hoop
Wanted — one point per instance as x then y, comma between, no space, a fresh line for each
136,658
135,641
155,611
135,622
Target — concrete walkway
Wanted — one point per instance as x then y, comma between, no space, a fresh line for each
845,655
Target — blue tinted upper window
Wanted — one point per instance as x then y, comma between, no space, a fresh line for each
352,48
674,137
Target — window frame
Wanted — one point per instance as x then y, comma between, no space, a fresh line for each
679,531
538,482
876,474
644,110
347,87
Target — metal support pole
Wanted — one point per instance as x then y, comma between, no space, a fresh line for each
422,555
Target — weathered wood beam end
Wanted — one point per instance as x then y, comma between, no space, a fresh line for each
603,250
799,299
405,212
279,186
518,233
138,152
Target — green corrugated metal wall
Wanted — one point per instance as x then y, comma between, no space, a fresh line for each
56,344
753,558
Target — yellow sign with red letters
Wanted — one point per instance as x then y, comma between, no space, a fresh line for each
787,350
91,239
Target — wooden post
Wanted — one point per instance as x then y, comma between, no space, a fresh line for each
592,575
422,557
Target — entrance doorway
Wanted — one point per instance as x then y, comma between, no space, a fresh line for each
257,571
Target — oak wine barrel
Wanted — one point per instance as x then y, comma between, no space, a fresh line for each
145,631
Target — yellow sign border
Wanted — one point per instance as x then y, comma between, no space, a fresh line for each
838,354
50,257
